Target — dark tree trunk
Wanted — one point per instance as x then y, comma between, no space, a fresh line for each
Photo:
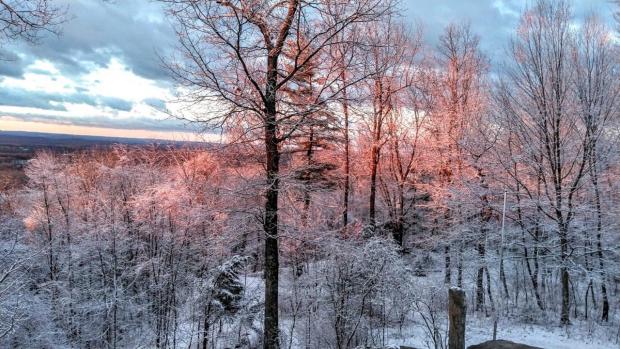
347,179
459,268
373,187
271,330
599,231
480,277
448,275
486,214
309,153
375,150
488,277
565,313
205,333
502,275
398,231
605,316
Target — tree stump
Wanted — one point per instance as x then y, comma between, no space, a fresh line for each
457,308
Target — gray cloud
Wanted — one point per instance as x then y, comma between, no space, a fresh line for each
43,100
11,64
116,103
21,98
156,103
77,98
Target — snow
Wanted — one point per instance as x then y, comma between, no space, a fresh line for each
548,337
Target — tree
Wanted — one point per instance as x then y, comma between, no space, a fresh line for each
538,111
26,19
224,293
317,134
401,165
459,99
12,260
390,61
346,52
233,62
597,89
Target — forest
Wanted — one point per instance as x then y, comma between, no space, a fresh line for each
361,173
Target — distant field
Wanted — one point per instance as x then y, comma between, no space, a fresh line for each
17,147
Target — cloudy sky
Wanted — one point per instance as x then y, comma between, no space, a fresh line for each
103,75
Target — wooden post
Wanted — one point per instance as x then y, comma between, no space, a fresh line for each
457,309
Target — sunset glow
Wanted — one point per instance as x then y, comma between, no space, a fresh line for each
11,124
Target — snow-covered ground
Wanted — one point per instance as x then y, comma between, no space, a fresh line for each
516,323
551,337
548,337
543,333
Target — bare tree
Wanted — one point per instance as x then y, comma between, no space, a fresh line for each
459,88
538,110
390,61
401,166
26,19
347,52
598,94
233,63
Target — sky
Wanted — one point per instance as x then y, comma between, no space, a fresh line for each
103,75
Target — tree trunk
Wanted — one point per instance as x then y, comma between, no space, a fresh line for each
599,232
502,273
398,228
271,330
309,153
205,333
448,275
347,179
398,231
502,276
459,270
375,150
480,277
373,187
486,271
565,313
